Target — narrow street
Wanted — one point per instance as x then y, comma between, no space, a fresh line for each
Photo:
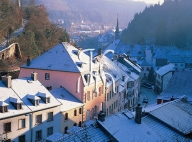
150,95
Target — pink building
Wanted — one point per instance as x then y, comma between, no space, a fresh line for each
64,66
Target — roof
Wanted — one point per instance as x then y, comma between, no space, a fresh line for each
164,132
7,94
179,85
176,114
67,100
143,63
165,69
91,134
62,57
123,128
27,88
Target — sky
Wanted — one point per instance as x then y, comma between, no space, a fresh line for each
151,1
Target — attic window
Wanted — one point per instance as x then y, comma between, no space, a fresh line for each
33,99
45,97
17,103
3,107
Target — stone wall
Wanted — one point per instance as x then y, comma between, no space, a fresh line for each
12,51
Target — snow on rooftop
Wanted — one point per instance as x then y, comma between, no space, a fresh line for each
33,97
55,137
165,69
175,116
73,129
125,129
5,95
179,85
31,90
15,100
90,134
67,99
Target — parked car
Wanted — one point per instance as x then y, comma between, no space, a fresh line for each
145,100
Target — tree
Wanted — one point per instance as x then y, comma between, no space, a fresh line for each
151,76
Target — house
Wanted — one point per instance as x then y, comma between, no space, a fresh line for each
145,68
89,133
153,126
179,86
30,111
66,66
14,119
71,111
163,76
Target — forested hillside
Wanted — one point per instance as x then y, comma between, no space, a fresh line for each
100,11
39,35
166,24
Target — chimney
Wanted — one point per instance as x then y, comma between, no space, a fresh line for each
28,61
34,76
101,116
138,114
6,81
123,78
99,51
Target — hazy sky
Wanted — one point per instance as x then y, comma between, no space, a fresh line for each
151,1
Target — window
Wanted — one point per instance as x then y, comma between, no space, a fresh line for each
7,127
50,116
88,95
79,123
5,108
39,119
147,68
80,110
107,96
19,106
117,89
36,102
38,135
47,76
114,105
49,131
66,116
21,123
110,94
75,124
22,138
75,112
100,90
48,100
85,97
65,131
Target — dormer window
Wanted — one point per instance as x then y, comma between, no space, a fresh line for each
33,99
36,102
16,102
48,100
45,97
3,107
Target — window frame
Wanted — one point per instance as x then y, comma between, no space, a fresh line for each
39,138
48,131
5,127
66,116
48,118
36,121
20,123
47,76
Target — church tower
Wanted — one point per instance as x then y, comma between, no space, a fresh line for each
117,29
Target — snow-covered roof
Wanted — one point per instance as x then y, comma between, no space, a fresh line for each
143,63
67,99
91,134
179,85
27,88
165,69
74,129
164,132
62,57
5,95
15,100
176,114
124,129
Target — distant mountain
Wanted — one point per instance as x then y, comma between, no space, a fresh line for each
166,24
101,11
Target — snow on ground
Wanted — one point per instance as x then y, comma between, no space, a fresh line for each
150,94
